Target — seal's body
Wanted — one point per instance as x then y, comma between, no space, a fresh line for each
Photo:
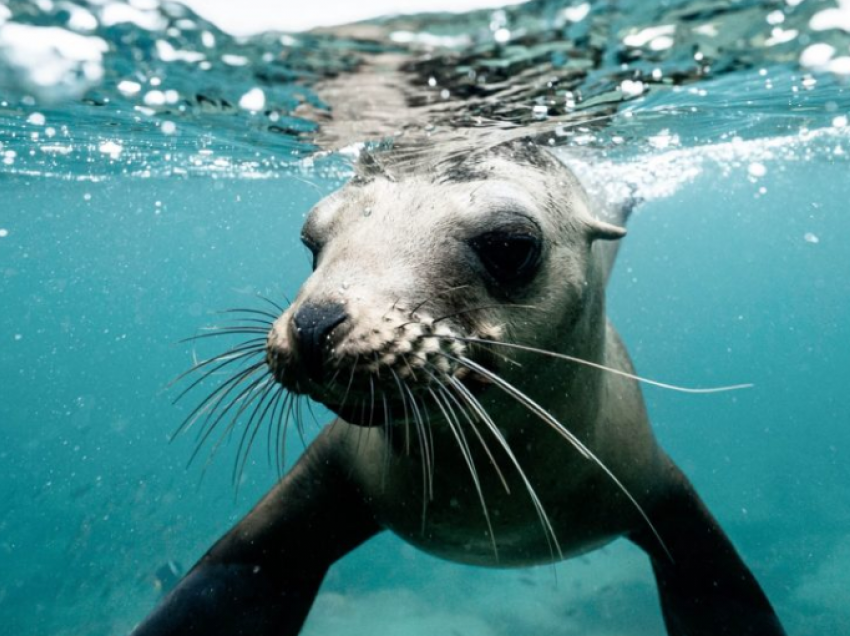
455,321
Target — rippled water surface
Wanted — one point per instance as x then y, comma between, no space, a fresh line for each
154,169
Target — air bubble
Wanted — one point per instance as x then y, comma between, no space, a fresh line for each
253,100
757,170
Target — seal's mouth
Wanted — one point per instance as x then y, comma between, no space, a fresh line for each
385,405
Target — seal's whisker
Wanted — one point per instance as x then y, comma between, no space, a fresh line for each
299,420
388,432
242,453
242,358
236,353
448,395
246,321
210,372
478,408
276,392
332,381
273,303
347,388
371,400
249,310
215,397
313,414
282,428
415,320
429,432
526,401
291,416
556,425
463,445
217,332
439,384
245,398
404,408
214,415
274,423
359,428
350,382
602,367
427,477
470,310
434,297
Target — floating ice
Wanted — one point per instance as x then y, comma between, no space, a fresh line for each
810,238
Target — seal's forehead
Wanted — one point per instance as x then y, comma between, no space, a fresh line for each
422,201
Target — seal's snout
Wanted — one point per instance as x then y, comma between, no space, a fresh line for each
313,324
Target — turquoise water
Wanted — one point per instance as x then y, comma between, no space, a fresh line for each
125,229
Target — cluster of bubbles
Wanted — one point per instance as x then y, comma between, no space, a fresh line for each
93,88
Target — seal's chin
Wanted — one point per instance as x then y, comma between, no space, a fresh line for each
368,415
384,409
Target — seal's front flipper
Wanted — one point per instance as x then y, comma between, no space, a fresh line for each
705,588
262,576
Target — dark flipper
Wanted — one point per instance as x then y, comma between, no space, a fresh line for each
705,589
260,579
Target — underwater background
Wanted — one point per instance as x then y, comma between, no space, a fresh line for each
154,170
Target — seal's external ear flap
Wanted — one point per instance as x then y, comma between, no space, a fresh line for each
600,230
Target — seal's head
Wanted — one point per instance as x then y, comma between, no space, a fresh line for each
414,269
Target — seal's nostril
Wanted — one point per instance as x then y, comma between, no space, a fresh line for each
313,324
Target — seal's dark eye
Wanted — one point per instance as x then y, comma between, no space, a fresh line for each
314,248
509,257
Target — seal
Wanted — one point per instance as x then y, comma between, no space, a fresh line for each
488,411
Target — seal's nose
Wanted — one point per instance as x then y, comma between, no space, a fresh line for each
313,324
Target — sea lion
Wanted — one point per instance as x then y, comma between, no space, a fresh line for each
435,289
